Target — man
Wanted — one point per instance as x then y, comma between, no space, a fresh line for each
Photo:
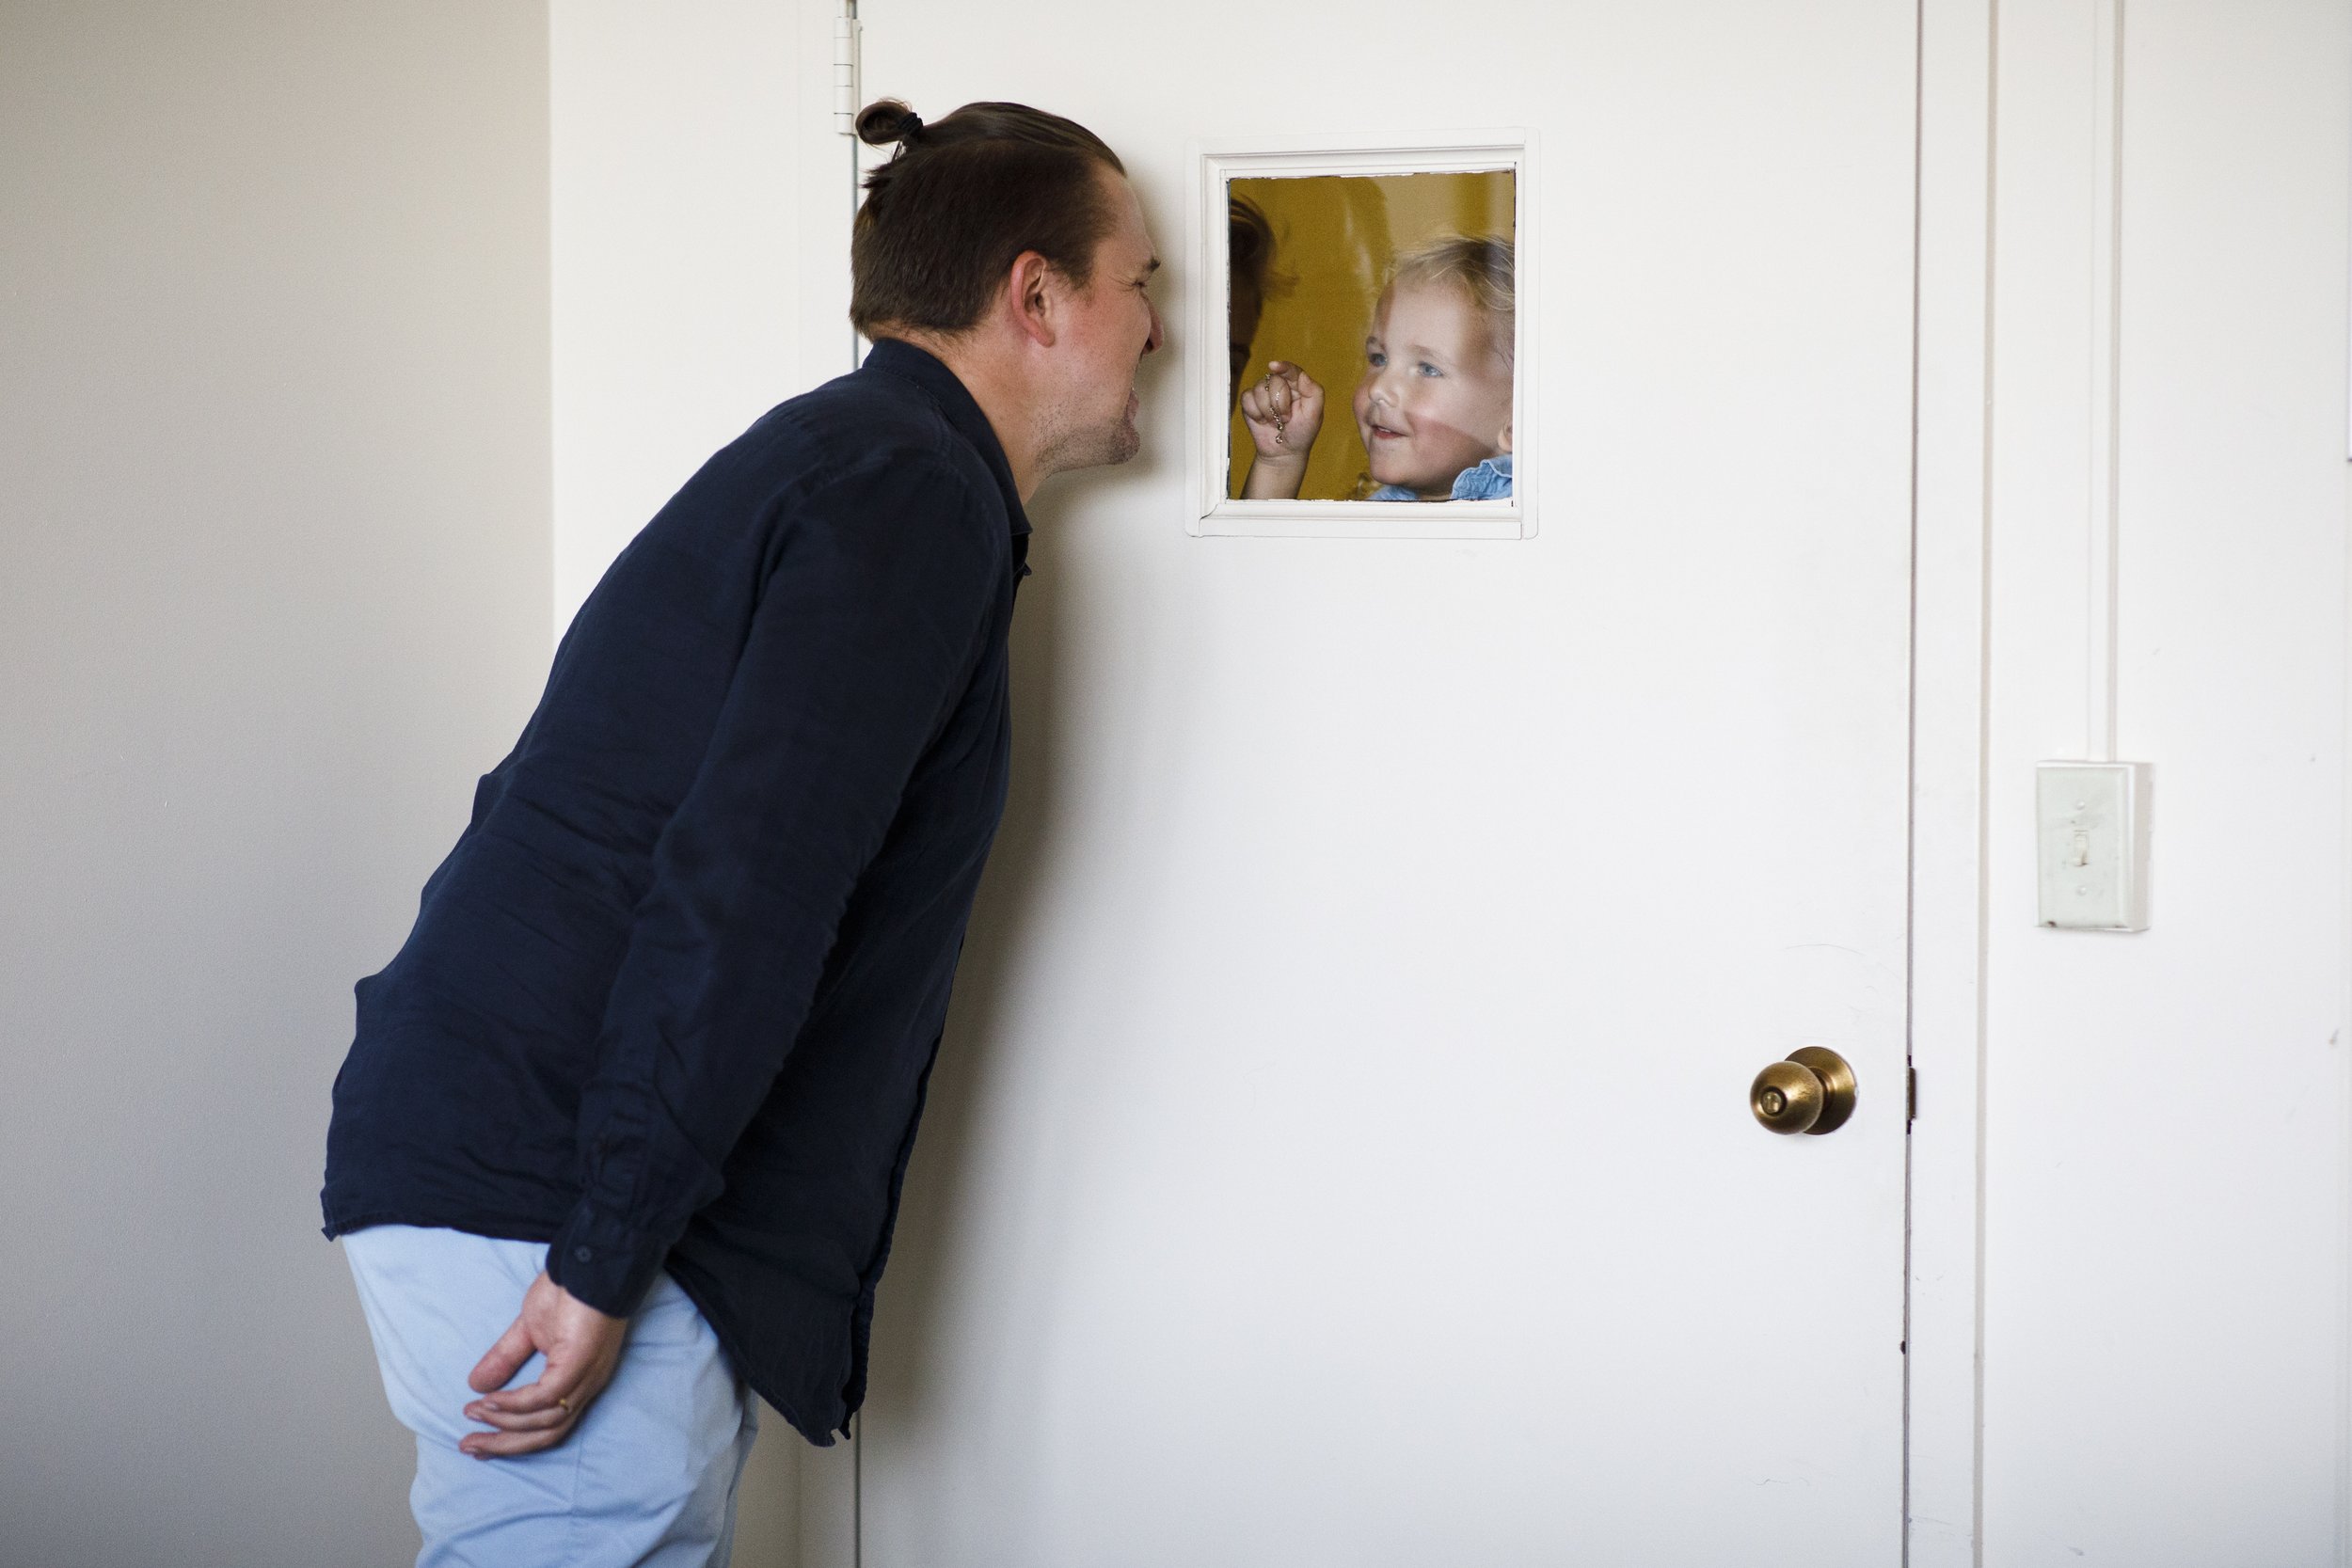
623,1125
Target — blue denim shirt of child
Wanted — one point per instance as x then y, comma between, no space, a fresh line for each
1490,481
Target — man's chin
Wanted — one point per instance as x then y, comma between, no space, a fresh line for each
1119,444
1111,442
1128,439
1127,442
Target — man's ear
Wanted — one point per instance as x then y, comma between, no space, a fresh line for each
1032,297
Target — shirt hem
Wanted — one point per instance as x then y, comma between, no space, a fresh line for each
818,1434
498,1228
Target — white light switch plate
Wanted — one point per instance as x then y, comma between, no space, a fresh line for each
2092,839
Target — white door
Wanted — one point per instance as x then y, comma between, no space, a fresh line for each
1342,1152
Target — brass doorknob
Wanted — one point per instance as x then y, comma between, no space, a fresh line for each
1810,1092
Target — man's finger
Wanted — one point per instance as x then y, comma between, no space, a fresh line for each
518,1420
557,1388
537,1416
504,1359
506,1445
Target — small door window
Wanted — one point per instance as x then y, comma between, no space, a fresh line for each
1373,304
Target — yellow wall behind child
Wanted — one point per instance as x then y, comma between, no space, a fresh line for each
1334,236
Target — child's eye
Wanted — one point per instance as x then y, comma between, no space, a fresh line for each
1377,358
1425,368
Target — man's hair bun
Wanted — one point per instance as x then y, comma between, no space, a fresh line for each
947,215
886,120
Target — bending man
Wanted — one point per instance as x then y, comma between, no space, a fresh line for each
623,1126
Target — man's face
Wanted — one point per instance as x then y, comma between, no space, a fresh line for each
1109,327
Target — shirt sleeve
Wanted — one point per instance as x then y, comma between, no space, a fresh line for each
865,636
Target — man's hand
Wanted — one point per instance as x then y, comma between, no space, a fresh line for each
582,1345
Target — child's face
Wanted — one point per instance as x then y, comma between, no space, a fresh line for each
1436,396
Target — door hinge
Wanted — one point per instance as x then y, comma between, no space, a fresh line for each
1911,1095
845,85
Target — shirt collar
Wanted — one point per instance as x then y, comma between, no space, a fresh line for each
908,363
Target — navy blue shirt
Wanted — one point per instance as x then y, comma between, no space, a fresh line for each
672,1001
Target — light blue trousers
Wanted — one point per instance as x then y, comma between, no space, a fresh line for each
647,1476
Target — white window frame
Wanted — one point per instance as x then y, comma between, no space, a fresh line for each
1215,164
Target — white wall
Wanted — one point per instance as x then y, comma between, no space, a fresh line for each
694,164
315,406
273,561
2164,1112
693,150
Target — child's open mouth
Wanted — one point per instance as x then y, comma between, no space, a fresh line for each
1382,432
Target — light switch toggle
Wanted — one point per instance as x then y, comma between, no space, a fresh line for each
2092,839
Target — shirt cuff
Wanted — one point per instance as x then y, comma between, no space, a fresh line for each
605,1263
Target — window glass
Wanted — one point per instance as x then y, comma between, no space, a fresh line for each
1371,321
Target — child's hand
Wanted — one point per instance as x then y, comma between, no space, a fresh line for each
1284,413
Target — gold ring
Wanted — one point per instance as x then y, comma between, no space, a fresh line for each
565,1403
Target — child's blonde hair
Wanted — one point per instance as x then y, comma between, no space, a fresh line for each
1482,266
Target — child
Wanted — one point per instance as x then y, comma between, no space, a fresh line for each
1434,406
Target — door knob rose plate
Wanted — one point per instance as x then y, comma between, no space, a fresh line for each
1813,1091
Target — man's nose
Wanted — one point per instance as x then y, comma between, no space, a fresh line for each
1159,330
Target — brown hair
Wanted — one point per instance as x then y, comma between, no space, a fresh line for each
1249,244
945,218
1482,267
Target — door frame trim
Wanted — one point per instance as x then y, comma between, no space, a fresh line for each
1958,44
